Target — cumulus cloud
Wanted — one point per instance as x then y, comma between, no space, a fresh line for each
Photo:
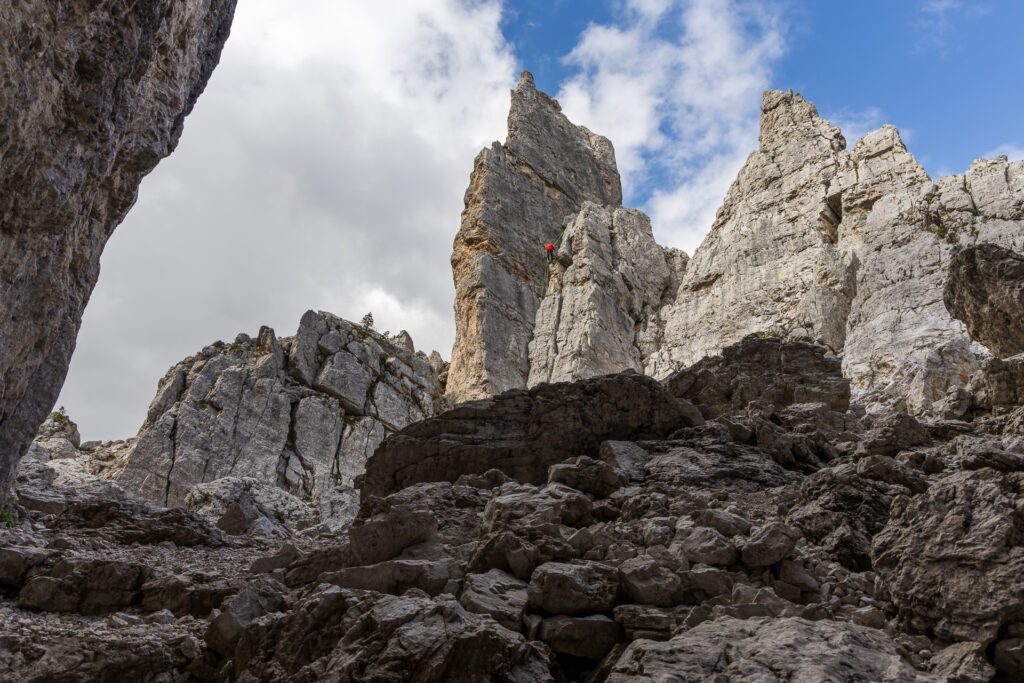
323,168
677,88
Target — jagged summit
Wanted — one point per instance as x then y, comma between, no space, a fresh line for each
845,248
518,199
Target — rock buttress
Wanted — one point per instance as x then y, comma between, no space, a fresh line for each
92,96
519,197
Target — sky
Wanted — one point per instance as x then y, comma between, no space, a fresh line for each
325,165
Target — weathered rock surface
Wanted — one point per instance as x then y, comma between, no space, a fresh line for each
523,432
353,635
93,96
985,290
519,196
605,285
952,558
769,536
299,415
849,249
762,370
768,649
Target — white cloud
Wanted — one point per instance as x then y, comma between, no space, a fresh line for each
677,86
1011,150
937,21
324,167
856,124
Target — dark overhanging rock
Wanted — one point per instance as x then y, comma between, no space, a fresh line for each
93,96
523,432
985,290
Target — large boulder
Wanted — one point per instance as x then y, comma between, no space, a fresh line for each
770,650
92,97
523,433
952,558
985,289
763,369
341,634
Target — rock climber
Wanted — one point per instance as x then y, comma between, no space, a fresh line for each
550,249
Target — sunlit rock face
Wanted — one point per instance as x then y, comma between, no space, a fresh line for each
519,197
298,414
92,96
847,248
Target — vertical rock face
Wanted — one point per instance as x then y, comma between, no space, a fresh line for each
603,292
770,262
92,96
901,339
519,197
303,413
985,289
845,248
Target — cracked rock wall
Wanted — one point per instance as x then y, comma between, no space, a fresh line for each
92,96
303,412
845,248
518,199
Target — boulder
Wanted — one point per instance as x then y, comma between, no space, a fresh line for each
769,544
762,369
88,586
523,433
384,537
762,648
498,594
573,589
350,635
705,545
590,637
951,558
985,289
962,662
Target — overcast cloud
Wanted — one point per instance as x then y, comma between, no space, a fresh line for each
324,167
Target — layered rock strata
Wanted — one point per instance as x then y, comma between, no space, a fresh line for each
846,248
299,414
519,196
93,95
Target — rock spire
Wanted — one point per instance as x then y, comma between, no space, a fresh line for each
519,197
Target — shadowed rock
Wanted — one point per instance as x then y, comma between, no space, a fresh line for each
985,289
92,96
524,432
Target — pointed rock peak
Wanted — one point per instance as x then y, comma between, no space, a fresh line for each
570,159
879,141
787,116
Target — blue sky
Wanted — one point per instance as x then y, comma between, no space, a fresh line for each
324,166
948,74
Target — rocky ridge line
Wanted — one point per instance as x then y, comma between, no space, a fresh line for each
846,248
